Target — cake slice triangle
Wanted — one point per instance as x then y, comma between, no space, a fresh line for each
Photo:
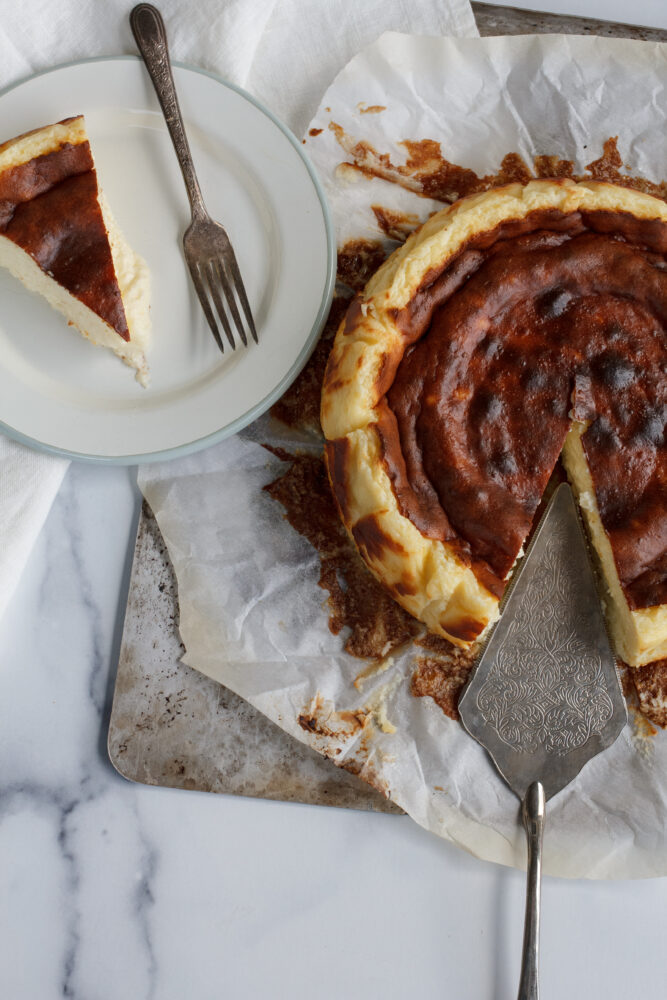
57,235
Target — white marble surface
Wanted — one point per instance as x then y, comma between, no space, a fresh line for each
111,890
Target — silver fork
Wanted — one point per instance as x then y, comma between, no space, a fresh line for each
208,252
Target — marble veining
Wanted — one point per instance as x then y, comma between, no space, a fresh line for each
144,900
72,886
78,572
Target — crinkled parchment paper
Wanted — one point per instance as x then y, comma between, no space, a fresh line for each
252,615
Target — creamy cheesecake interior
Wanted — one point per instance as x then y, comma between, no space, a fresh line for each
639,635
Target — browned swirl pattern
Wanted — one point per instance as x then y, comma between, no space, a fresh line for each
559,316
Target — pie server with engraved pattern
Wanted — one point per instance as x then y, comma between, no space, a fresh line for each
545,696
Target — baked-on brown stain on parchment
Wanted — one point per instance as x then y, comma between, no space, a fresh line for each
442,671
299,407
356,600
650,685
358,260
326,725
370,109
427,172
325,721
396,225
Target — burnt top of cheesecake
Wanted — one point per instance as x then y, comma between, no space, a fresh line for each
49,207
553,317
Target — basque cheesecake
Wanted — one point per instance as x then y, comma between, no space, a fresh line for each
57,235
514,327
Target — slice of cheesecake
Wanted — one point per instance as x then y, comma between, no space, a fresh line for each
57,235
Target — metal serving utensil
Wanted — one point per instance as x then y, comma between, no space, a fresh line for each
546,697
208,252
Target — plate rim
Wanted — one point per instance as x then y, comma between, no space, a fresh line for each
198,444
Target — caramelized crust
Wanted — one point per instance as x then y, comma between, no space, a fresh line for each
49,207
539,314
457,374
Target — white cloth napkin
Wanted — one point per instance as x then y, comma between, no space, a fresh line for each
28,483
285,52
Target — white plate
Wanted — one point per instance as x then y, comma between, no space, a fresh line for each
59,393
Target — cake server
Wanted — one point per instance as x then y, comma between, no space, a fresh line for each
545,696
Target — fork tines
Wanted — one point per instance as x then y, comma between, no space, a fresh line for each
213,279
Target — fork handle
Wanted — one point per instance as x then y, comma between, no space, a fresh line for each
534,809
149,31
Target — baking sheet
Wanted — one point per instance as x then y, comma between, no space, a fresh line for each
173,726
248,583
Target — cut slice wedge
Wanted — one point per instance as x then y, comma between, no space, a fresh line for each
58,237
639,635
